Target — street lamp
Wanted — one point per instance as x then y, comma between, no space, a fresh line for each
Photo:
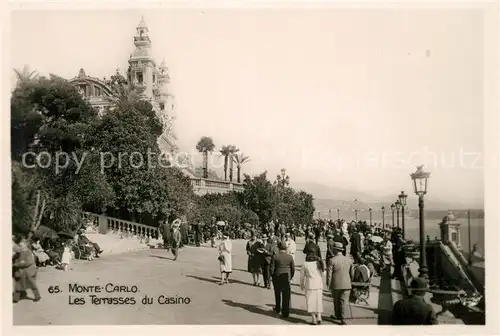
356,215
383,217
330,213
370,211
420,187
393,207
402,199
338,214
398,206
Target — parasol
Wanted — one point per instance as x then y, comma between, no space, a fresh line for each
66,235
221,223
376,239
46,232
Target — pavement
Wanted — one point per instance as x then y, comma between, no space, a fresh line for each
190,283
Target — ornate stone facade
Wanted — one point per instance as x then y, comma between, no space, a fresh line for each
149,80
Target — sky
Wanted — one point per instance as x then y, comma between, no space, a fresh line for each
353,98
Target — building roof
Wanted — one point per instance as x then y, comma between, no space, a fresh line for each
449,219
142,24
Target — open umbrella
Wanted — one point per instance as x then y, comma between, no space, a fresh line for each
376,239
67,235
221,223
45,232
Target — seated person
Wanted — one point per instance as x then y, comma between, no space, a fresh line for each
41,257
55,258
84,242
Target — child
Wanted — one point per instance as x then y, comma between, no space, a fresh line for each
66,258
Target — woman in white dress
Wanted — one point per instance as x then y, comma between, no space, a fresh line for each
225,259
311,281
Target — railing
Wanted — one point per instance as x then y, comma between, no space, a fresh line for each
201,186
123,228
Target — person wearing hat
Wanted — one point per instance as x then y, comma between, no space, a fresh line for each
282,272
311,247
413,310
340,284
166,233
225,258
176,238
270,249
291,248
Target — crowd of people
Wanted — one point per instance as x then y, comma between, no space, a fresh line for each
355,253
31,252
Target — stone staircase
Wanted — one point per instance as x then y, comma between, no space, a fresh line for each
116,236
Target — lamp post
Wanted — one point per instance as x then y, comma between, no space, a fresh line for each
356,215
402,199
383,217
420,185
398,206
338,214
393,207
370,211
330,213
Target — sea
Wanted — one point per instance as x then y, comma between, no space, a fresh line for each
432,229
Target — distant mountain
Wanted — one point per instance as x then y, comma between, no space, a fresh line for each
321,191
326,198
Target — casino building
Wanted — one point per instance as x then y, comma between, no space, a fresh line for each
151,81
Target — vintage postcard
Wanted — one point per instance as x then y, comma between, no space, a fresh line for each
261,165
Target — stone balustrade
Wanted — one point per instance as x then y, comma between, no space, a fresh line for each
123,228
205,186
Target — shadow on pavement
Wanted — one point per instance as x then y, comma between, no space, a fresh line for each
384,299
258,310
160,257
214,280
235,281
293,310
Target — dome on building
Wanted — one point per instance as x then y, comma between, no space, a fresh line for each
449,219
142,24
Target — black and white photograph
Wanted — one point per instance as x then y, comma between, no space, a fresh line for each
297,166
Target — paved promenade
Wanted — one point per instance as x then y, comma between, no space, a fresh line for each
194,275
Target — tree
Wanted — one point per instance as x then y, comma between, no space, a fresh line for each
49,116
232,151
205,145
225,151
25,75
258,196
240,159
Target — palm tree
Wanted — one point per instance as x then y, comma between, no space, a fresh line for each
25,75
232,151
204,146
240,159
225,152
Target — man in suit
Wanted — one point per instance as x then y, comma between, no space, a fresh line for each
166,233
270,250
340,283
282,271
413,310
329,257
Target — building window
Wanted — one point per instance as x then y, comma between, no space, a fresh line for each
97,91
154,78
83,88
140,78
162,106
